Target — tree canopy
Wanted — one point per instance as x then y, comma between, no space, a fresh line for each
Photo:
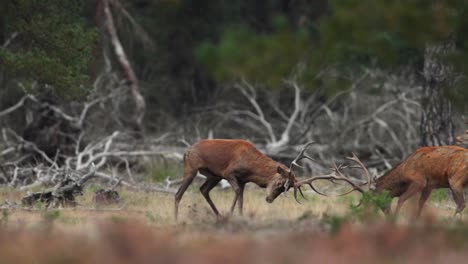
51,45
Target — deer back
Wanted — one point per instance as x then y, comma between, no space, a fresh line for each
222,156
434,165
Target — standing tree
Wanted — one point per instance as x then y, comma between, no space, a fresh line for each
46,52
429,38
104,11
46,44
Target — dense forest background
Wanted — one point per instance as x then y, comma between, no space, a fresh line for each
372,76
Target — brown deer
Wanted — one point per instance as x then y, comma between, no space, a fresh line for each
426,169
238,162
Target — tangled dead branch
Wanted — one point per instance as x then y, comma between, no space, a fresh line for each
29,163
63,194
274,145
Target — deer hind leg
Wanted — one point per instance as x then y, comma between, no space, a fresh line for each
413,188
189,175
205,189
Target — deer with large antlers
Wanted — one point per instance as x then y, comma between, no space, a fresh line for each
426,169
238,162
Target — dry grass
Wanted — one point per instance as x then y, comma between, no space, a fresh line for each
156,209
145,231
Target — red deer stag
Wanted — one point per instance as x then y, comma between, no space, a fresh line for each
426,169
238,162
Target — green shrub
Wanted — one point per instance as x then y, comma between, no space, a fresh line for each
51,216
370,206
439,195
160,173
335,222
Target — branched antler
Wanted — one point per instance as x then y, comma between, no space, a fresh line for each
302,155
337,175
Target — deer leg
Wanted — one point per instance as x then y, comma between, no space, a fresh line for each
413,188
457,192
189,175
205,189
426,192
457,184
241,198
237,191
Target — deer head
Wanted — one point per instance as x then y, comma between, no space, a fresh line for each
279,183
285,177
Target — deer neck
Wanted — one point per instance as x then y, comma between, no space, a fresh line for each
265,172
391,182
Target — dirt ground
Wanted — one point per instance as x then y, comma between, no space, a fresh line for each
142,229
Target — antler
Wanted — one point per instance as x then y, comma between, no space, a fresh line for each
362,167
337,175
300,156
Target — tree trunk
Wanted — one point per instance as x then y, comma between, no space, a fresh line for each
128,71
437,126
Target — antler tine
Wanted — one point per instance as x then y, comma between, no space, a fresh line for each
295,195
337,175
361,166
341,176
302,155
299,157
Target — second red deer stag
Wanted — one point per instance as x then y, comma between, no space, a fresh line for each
426,169
238,162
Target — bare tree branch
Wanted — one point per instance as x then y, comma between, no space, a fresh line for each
19,104
126,66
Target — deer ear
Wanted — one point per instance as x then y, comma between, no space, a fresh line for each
281,171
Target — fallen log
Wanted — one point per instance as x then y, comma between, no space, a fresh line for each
62,195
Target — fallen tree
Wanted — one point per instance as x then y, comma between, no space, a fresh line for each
63,194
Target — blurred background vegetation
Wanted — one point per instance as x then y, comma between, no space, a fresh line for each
348,57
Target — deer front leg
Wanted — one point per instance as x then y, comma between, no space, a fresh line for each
413,188
426,192
189,175
205,189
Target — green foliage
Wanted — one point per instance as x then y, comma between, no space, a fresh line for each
305,215
53,47
160,173
152,218
439,195
39,205
392,31
5,217
51,216
395,33
118,219
335,222
368,210
70,220
370,206
265,58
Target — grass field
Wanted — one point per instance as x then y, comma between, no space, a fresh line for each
319,230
